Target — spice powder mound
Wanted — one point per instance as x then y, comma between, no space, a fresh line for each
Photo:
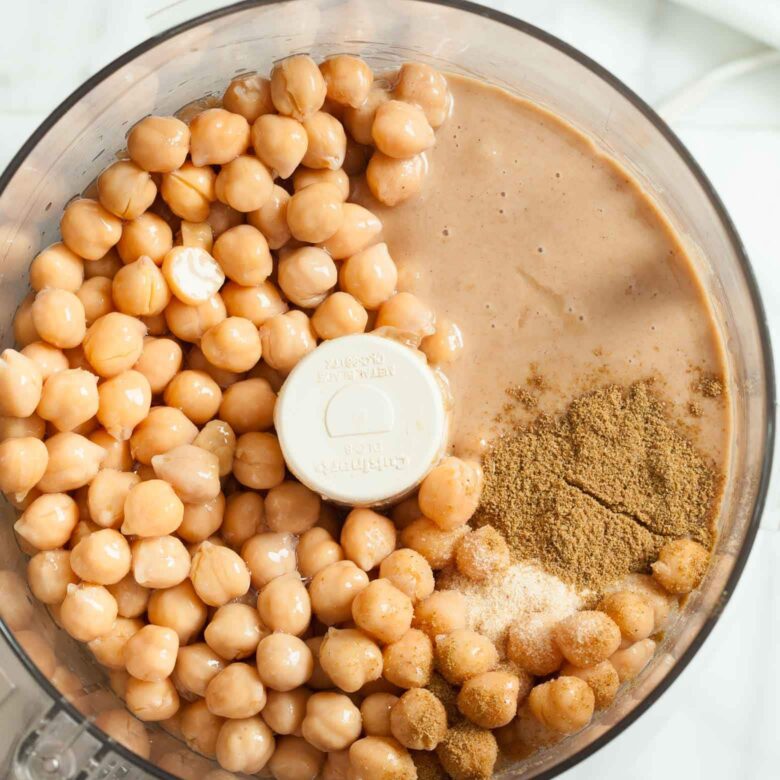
594,494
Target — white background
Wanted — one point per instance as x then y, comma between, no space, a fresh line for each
721,719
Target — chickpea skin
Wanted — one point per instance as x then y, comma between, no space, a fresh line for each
380,757
123,728
435,545
59,318
200,728
57,266
268,556
348,79
218,137
463,654
103,557
532,647
236,692
284,604
151,701
48,521
159,144
602,678
258,461
315,213
565,704
284,662
193,275
350,658
151,508
280,142
244,745
73,461
306,275
587,638
163,429
23,462
271,218
285,710
297,87
316,550
630,661
393,181
233,345
87,611
333,589
49,573
88,230
160,561
147,235
332,721
286,338
150,654
257,303
218,574
250,96
235,631
126,190
196,666
244,184
69,398
681,566
114,343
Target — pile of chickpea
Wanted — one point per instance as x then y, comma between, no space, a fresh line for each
225,599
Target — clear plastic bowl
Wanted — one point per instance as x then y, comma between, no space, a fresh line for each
45,734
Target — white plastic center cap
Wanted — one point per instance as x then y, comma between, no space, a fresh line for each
361,419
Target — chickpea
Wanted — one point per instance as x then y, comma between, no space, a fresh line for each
73,462
279,142
423,86
59,318
305,177
150,654
218,574
140,289
632,613
532,647
193,275
418,720
95,296
587,638
22,427
48,521
49,573
57,266
375,711
602,679
48,358
15,608
297,87
218,136
408,571
408,662
151,508
24,327
152,701
327,142
316,550
200,728
380,757
630,661
284,662
306,275
681,566
295,759
182,763
163,429
197,234
244,745
450,493
243,254
468,752
131,598
248,406
147,235
359,228
359,119
21,383
123,728
648,588
107,494
159,144
202,520
263,371
271,218
490,699
87,611
392,181
244,184
286,338
159,362
189,323
339,315
113,344
233,345
367,538
565,704
236,692
443,612
430,541
69,398
217,437
258,461
197,361
348,79
370,276
382,611
23,462
268,556
126,190
285,710
106,266
250,96
463,654
125,401
88,230
319,679
159,561
103,557
332,721
481,553
190,191
196,666
221,218
333,589
235,631
406,313
291,507
350,658
284,604
315,213
401,130
178,608
445,345
256,303
196,394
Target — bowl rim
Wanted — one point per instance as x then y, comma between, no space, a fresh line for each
59,703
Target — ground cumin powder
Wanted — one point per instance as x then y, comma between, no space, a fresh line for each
593,494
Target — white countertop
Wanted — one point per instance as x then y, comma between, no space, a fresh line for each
720,719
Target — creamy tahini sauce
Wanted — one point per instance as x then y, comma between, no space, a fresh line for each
551,259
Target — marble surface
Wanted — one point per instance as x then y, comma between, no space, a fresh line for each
720,718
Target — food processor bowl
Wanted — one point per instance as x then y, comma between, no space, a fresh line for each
48,702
